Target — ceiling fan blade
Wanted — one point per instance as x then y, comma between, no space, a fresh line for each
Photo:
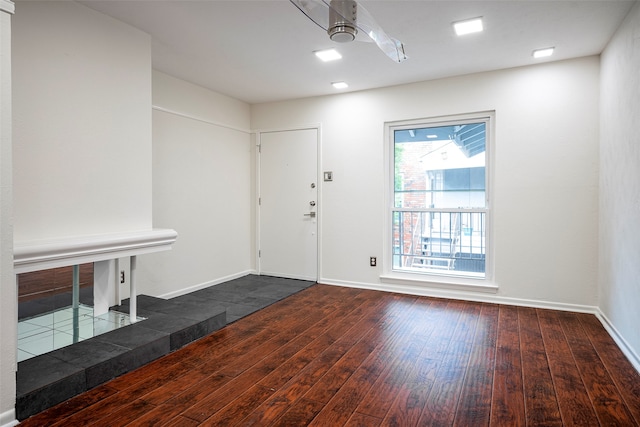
318,11
393,48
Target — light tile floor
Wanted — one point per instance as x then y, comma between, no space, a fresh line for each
51,331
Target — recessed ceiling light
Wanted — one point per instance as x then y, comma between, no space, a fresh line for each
541,53
328,55
468,26
340,85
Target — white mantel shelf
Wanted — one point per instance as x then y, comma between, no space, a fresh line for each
45,254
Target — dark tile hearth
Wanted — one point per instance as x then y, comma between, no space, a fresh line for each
46,380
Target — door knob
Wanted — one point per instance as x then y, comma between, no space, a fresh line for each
312,203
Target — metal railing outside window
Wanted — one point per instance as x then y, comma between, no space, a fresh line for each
433,241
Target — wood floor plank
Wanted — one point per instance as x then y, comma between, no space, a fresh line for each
307,328
328,350
425,321
507,397
411,399
412,395
605,397
219,398
327,386
445,393
240,407
158,416
308,365
622,372
187,378
346,399
350,314
541,404
298,361
301,413
281,355
332,356
573,399
362,420
408,345
124,415
181,421
212,403
474,407
181,400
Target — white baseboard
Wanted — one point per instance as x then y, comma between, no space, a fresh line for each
8,418
463,295
287,276
620,341
204,285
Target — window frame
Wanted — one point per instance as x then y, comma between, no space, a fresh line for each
446,279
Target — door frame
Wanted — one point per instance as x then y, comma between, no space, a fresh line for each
319,184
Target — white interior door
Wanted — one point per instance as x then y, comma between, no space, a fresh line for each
289,204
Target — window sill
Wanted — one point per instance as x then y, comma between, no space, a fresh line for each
439,282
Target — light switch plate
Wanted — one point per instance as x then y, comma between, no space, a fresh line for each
328,176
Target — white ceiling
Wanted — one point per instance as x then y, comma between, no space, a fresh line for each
260,51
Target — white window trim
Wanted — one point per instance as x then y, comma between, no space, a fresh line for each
456,282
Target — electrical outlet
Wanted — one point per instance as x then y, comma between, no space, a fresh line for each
373,261
122,276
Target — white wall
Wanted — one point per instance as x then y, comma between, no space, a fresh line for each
619,273
202,183
81,139
545,192
82,123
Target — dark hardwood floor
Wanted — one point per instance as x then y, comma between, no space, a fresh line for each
332,356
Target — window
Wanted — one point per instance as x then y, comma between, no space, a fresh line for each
439,196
